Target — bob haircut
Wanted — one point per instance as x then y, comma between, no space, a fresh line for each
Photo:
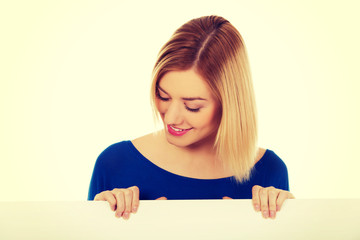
214,49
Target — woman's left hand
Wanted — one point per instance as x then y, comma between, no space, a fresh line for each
269,200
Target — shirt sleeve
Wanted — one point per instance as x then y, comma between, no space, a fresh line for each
97,183
280,175
277,173
283,179
103,170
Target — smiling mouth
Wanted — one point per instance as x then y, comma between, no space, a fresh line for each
179,129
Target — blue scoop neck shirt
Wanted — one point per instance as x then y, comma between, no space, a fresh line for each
121,165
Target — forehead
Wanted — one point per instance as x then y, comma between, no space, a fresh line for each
185,84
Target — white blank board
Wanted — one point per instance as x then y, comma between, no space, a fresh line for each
186,219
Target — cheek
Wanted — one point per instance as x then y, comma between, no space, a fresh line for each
161,107
204,119
212,119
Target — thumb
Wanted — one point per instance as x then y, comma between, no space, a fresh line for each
161,198
227,198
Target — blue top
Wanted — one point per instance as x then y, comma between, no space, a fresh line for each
121,165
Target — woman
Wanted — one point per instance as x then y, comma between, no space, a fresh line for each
202,90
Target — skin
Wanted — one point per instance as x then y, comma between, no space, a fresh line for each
184,101
180,94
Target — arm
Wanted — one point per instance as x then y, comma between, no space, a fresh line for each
122,201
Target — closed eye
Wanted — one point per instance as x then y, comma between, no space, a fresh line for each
160,97
192,109
157,93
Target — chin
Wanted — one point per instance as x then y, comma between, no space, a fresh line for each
190,143
176,141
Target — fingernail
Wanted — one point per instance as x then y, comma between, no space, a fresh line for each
266,214
272,214
126,215
277,208
134,209
257,207
118,214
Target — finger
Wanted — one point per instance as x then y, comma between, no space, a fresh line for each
291,196
281,199
227,198
135,199
161,198
273,194
256,197
99,197
264,202
110,198
128,196
120,203
107,196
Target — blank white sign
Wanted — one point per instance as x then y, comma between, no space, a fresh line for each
186,219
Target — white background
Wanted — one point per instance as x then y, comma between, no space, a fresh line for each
75,78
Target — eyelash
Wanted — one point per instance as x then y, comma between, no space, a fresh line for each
192,109
167,99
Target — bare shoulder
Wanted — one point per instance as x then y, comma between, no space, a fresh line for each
148,144
144,141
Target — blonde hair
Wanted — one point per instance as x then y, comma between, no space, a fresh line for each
216,50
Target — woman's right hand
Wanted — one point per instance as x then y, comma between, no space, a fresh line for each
121,200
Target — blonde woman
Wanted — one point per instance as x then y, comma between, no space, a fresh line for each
203,93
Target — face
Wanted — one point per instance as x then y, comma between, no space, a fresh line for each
188,109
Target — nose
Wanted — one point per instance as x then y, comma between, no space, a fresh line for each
174,114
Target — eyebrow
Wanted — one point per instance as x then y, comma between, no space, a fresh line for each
185,99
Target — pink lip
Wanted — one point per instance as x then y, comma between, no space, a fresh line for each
175,133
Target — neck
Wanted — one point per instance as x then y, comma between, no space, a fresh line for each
202,151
